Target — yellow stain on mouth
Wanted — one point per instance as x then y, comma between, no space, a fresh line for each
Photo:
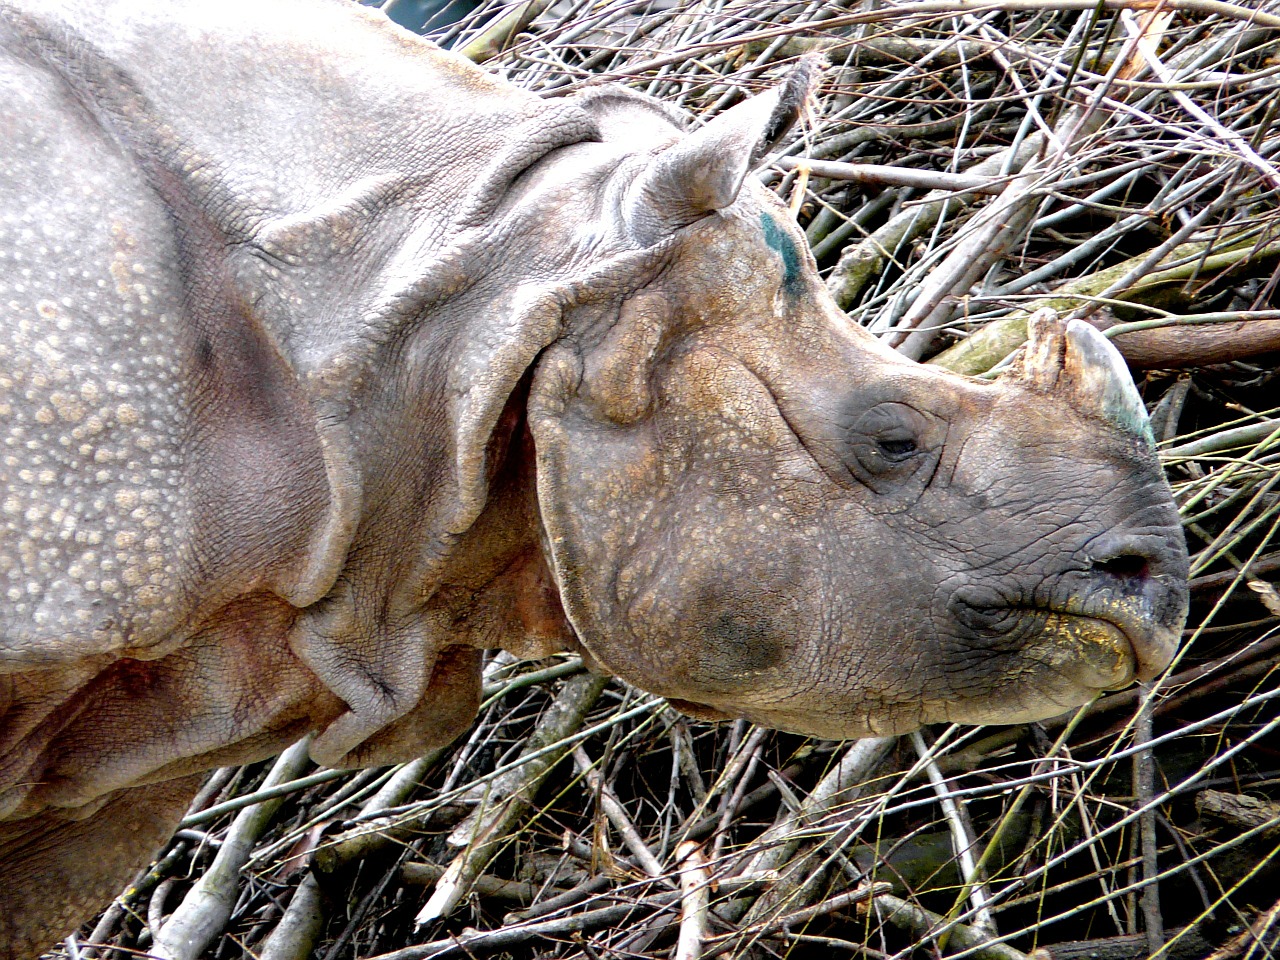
1098,646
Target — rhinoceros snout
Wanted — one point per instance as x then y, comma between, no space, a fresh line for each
1111,614
1140,582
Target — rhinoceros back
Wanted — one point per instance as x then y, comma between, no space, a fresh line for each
220,224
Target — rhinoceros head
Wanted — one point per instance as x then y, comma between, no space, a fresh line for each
755,509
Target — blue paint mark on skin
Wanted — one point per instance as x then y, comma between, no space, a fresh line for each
778,240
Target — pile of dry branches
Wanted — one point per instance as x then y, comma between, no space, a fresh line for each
967,164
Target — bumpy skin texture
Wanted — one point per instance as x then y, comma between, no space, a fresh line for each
327,362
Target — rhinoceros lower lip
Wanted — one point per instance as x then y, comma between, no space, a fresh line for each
1096,652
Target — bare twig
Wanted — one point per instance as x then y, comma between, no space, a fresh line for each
695,881
1144,775
205,910
510,798
962,840
617,814
894,176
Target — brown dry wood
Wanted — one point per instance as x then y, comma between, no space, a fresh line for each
695,882
516,892
881,175
298,930
1238,809
374,836
988,237
778,847
1144,783
489,42
842,901
207,907
1234,439
1261,941
1243,675
561,901
617,814
973,52
510,798
741,769
1200,344
1184,945
963,841
477,942
863,261
927,8
707,825
991,344
142,885
926,863
1267,563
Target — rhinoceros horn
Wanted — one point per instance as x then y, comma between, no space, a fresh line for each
1074,361
704,171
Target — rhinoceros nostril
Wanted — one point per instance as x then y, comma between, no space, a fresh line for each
1126,566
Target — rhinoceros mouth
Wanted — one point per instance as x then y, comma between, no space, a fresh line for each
1100,646
1095,652
1105,637
1046,662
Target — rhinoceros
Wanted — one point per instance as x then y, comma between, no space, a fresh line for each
328,362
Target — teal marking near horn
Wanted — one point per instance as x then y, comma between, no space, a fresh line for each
778,240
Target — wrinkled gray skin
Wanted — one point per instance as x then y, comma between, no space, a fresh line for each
328,361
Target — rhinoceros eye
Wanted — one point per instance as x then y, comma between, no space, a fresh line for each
897,449
886,442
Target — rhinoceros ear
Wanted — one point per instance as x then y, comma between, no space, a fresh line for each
704,172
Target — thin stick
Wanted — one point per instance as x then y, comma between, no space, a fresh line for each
1144,777
617,814
923,922
486,831
204,912
879,174
962,840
